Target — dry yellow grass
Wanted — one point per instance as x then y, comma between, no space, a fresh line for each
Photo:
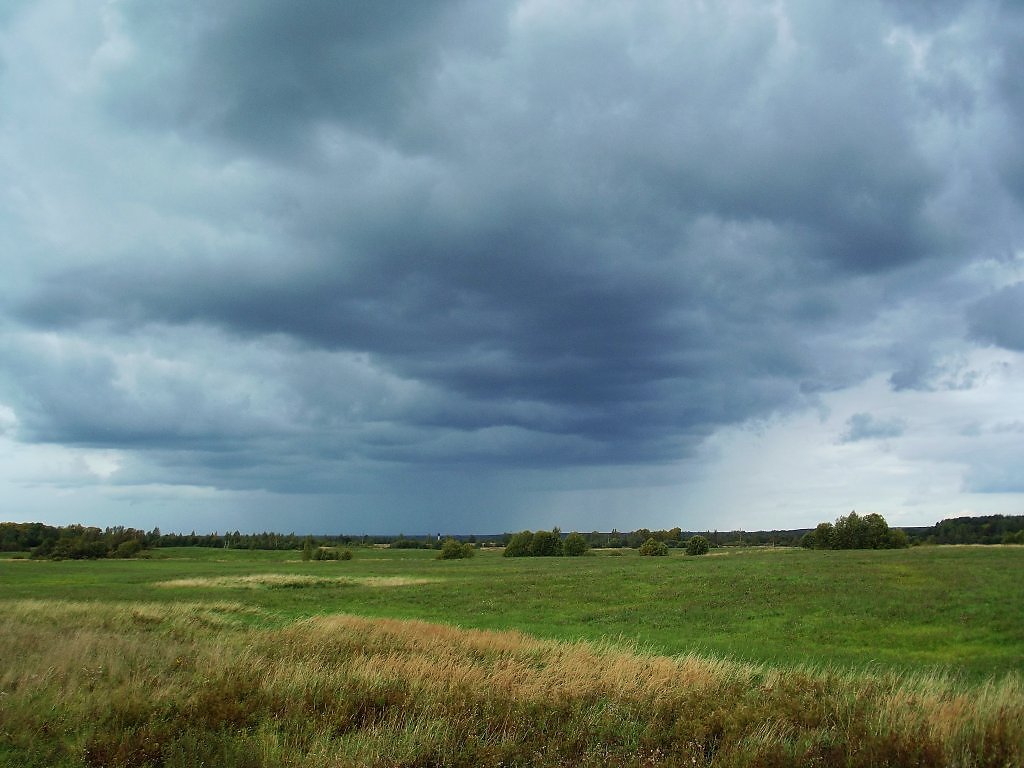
156,684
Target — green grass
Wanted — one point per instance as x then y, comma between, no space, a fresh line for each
956,608
239,658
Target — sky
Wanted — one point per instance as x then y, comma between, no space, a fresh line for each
455,266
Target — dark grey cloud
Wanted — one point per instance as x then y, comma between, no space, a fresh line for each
294,240
1010,47
264,75
923,371
999,318
864,426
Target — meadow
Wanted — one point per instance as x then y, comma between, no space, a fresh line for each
742,657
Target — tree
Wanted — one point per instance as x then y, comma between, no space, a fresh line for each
853,531
575,545
697,545
520,545
897,539
129,548
849,532
453,549
654,548
875,531
823,536
546,543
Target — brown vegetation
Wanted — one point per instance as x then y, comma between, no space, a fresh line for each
191,683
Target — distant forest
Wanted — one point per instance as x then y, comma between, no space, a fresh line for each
82,542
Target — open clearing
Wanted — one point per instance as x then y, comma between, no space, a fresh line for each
395,658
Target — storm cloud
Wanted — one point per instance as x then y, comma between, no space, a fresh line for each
336,248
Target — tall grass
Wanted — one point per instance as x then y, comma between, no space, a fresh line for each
184,684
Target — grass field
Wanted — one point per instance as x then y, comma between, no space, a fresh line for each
745,657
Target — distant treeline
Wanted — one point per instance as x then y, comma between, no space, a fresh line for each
78,542
992,529
72,542
614,539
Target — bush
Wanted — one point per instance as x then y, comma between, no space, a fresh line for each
546,543
822,536
129,548
403,543
697,545
897,539
520,545
654,548
453,549
346,554
575,545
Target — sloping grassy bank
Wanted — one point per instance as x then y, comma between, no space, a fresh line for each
186,684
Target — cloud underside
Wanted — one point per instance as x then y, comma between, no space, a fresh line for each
282,246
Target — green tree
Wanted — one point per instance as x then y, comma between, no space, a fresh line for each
129,548
575,545
823,536
653,548
520,545
546,543
876,531
453,549
897,539
854,531
697,545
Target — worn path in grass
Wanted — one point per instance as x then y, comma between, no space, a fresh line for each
960,608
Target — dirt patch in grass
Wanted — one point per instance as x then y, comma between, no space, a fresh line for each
292,581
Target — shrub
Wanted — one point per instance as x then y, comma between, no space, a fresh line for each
697,545
897,538
403,543
346,554
128,548
654,548
575,545
823,536
520,545
546,544
453,549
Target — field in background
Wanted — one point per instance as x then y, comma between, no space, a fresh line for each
913,609
742,657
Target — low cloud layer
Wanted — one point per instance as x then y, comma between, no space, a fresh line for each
337,249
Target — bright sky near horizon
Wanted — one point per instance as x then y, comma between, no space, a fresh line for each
461,266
